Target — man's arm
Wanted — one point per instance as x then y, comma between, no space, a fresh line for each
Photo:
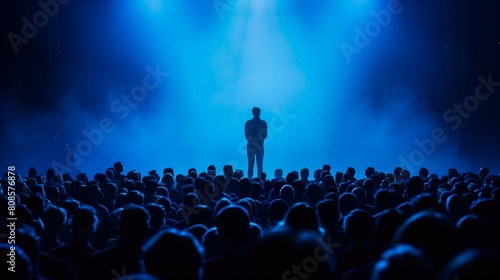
247,131
264,130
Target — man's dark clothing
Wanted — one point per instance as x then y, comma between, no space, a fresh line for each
255,133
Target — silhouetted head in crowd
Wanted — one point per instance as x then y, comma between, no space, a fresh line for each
304,173
263,176
121,200
360,194
244,187
84,222
369,171
302,216
133,224
287,193
110,173
198,231
82,177
173,254
157,217
29,245
53,219
424,202
135,197
317,175
233,224
452,173
414,185
101,178
350,170
484,172
475,232
223,202
456,206
405,174
228,171
202,215
488,209
423,172
403,262
23,214
50,174
383,200
67,177
249,205
347,202
238,174
192,173
256,190
134,175
93,194
190,200
118,166
433,233
359,227
386,225
327,211
36,204
291,176
212,168
369,185
192,169
165,202
338,177
326,167
277,211
168,180
397,172
169,170
161,191
278,174
32,172
324,174
314,194
53,194
299,187
290,254
473,264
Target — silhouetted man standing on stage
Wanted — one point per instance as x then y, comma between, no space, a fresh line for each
255,133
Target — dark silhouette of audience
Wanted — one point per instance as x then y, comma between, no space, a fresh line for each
78,250
204,225
125,255
173,254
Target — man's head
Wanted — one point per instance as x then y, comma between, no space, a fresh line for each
118,167
256,111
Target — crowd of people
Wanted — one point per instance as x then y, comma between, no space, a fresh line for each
210,224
